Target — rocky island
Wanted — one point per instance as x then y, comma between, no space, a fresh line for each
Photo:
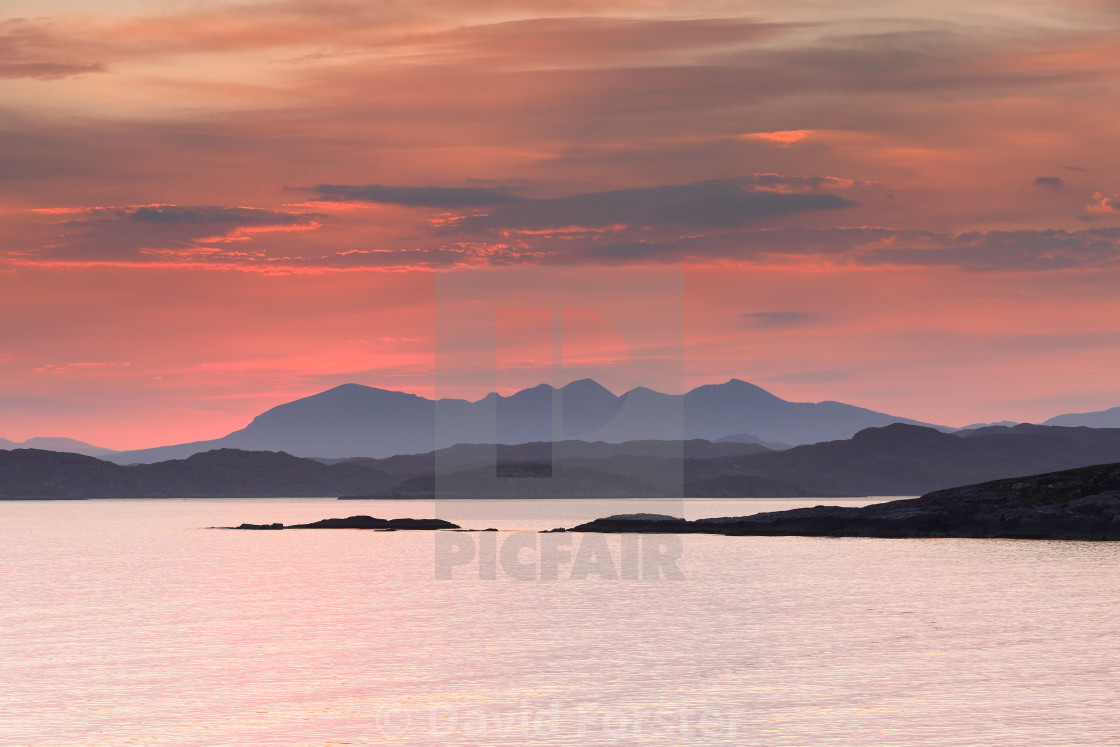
1076,504
361,522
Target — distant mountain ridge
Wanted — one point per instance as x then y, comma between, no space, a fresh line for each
901,459
896,459
353,420
49,443
1109,418
224,473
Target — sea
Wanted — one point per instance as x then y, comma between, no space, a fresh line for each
136,622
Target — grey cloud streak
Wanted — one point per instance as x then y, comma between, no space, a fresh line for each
430,196
1030,250
169,214
978,251
118,236
726,203
1051,182
141,233
715,203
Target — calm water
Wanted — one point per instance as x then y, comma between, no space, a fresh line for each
130,623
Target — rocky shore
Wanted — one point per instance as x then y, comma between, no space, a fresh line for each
1077,504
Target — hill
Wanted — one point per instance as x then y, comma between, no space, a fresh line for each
902,459
359,421
46,443
897,459
1109,418
227,473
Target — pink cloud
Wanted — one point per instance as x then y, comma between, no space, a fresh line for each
780,137
1104,203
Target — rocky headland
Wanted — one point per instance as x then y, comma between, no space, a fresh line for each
1076,504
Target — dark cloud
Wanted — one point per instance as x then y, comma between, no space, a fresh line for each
979,251
715,203
773,319
265,238
1050,182
747,245
622,251
1005,250
231,215
162,233
431,197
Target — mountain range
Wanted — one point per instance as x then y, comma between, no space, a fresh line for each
70,445
354,420
227,473
1109,418
897,459
359,421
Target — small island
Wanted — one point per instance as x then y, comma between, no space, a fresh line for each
1076,504
361,522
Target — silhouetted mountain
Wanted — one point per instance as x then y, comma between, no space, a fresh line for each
747,438
897,459
46,443
34,473
974,426
348,420
903,459
736,407
575,469
1109,418
353,420
464,456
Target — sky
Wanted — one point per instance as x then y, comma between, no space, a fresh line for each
209,208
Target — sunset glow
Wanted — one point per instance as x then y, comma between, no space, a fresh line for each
210,208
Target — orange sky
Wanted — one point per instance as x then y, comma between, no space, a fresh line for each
208,208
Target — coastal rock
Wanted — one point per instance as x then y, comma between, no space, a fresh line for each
370,522
361,522
1078,504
